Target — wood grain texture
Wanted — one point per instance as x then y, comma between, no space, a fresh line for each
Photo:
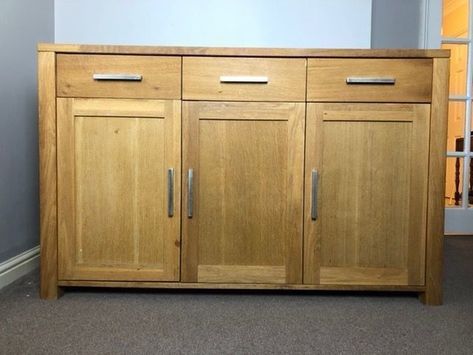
201,79
363,276
161,76
113,190
326,80
241,274
418,195
121,108
437,162
244,52
248,175
372,193
47,174
241,286
248,159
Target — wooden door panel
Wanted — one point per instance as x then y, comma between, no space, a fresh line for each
372,161
241,186
247,162
112,189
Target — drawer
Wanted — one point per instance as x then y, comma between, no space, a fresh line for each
370,80
118,76
244,79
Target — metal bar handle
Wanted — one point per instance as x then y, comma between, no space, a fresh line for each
170,192
244,79
370,81
190,193
313,207
117,77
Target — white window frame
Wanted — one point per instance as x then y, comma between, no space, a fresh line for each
458,220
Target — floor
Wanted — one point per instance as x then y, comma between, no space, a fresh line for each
93,321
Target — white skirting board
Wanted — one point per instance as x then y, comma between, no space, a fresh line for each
18,266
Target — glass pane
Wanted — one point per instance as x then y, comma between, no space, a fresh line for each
471,130
458,62
470,184
453,182
455,18
456,126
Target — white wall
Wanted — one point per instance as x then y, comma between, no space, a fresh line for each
433,23
266,23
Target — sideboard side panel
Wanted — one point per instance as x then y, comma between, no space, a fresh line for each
437,161
47,174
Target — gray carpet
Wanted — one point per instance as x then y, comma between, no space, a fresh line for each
94,321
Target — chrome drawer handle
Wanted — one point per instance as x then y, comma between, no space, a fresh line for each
118,77
313,207
244,79
368,81
170,192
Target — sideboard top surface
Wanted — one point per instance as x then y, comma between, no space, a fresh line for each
244,52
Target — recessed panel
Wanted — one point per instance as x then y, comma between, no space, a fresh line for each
119,191
243,194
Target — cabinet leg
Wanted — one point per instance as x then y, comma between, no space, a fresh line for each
50,291
431,298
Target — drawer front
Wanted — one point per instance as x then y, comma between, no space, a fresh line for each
244,79
118,76
371,80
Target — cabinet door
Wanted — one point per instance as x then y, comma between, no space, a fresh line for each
366,193
243,208
115,193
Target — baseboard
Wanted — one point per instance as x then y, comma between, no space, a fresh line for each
18,266
459,235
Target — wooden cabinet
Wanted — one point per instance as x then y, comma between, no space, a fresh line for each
118,174
366,200
300,168
243,208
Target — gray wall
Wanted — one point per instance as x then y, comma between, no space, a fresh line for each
23,23
266,23
398,23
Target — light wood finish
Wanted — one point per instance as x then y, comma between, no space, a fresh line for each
161,76
47,174
363,276
105,148
326,80
243,52
286,79
112,189
241,286
372,161
248,174
437,161
239,273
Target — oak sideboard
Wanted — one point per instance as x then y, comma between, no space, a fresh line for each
242,168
